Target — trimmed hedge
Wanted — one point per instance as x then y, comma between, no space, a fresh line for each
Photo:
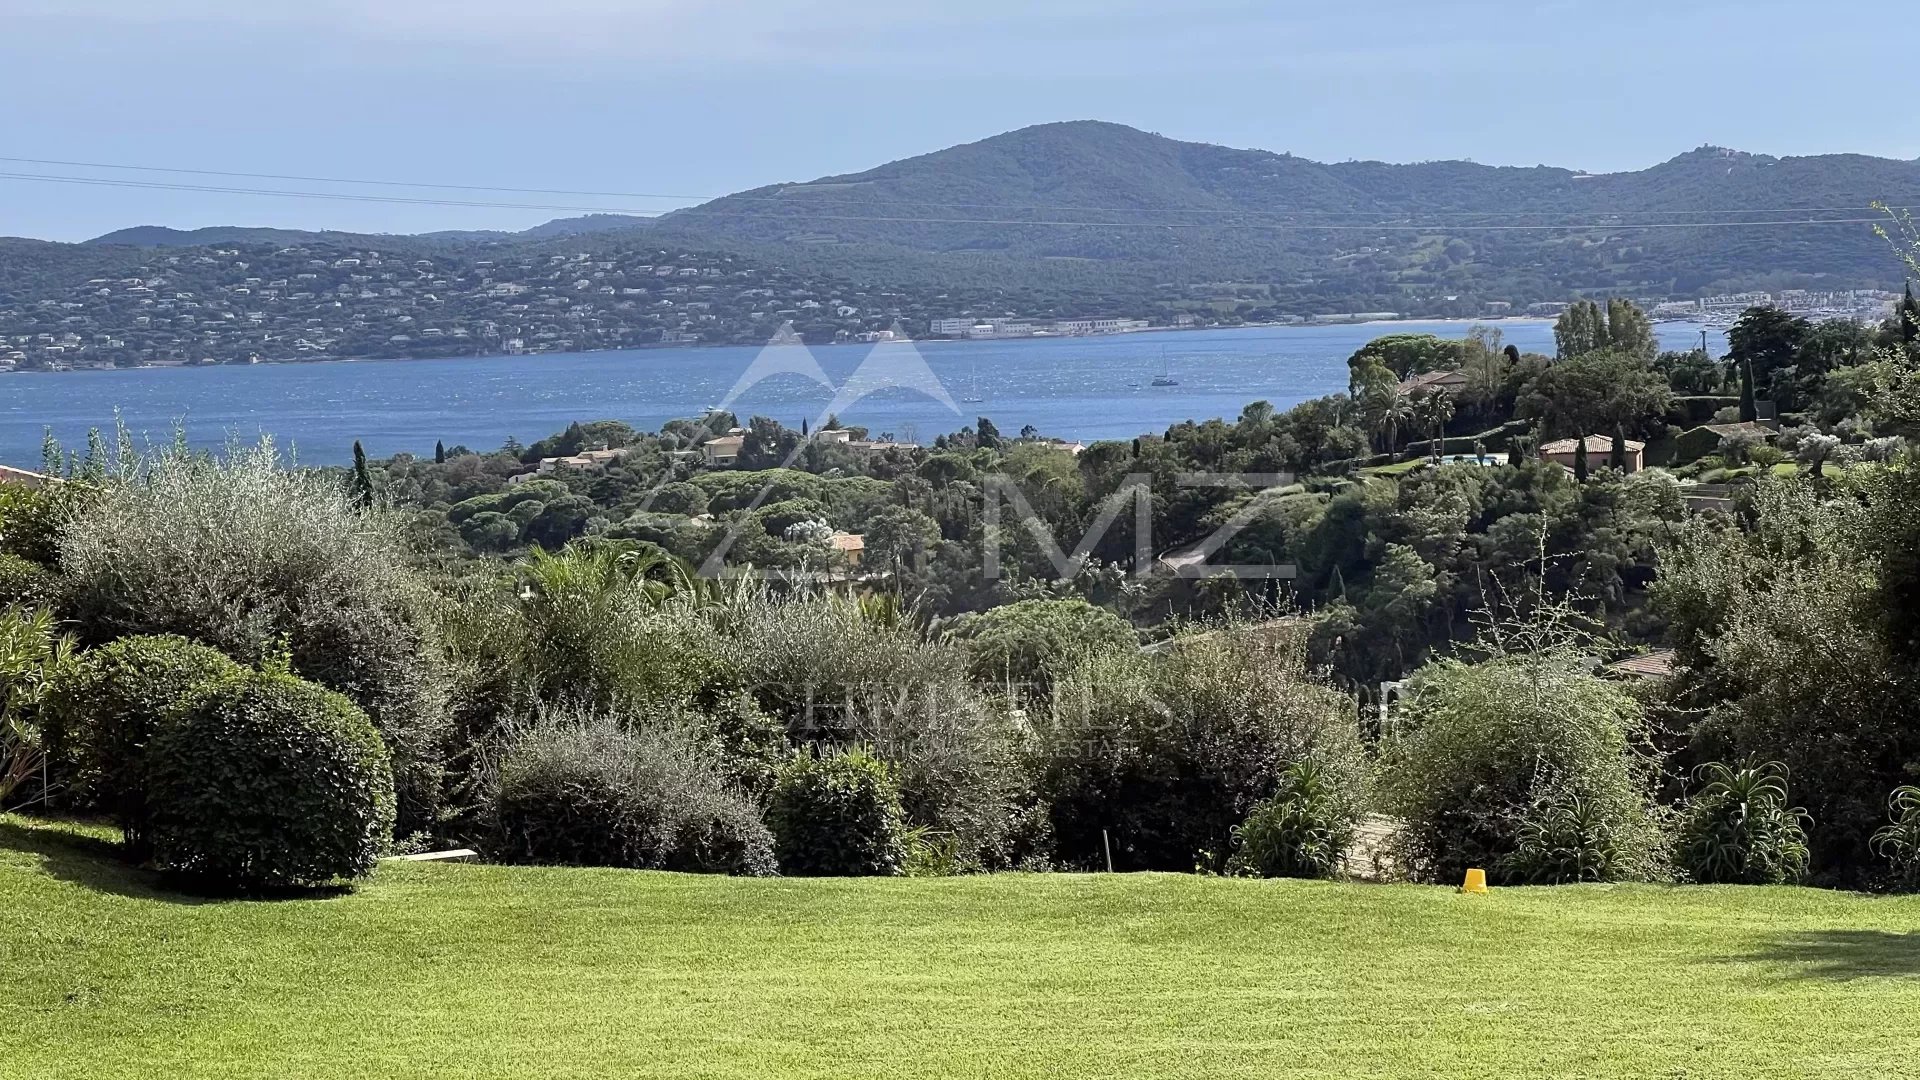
114,703
265,780
838,816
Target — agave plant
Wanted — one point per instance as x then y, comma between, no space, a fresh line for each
1562,842
1899,843
1740,830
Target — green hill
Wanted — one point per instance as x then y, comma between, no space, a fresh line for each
1145,205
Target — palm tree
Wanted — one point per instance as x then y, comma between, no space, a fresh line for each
1433,410
1388,411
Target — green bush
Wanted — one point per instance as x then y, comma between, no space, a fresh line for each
1032,642
1739,830
838,815
116,700
258,560
1562,843
30,520
1482,754
24,582
1165,755
1899,842
593,792
268,781
34,657
1304,831
839,672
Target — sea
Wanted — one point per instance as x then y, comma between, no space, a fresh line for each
1082,388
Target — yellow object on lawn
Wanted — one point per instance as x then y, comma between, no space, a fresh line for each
1476,881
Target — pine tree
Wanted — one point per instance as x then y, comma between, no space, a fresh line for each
362,479
1580,458
439,452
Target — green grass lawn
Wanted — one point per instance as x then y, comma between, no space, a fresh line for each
474,971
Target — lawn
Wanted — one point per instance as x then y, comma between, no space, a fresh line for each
451,970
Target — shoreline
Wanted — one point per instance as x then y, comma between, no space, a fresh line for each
1493,322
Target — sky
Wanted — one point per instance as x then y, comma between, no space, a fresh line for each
698,98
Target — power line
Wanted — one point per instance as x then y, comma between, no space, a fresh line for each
790,200
1242,226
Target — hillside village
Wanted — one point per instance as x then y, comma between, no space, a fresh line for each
273,303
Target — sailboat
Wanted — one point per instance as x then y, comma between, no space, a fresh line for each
973,385
1165,378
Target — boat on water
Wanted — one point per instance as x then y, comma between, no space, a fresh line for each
1165,378
973,386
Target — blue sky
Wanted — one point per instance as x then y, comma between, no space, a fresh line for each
694,98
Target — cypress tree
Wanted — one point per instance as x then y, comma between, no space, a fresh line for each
439,452
1619,457
1580,458
1748,413
362,479
1909,320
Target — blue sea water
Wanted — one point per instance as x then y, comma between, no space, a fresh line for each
1071,388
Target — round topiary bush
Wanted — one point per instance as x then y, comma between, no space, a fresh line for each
593,793
838,816
110,707
264,780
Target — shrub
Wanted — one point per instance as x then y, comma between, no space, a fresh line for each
838,672
113,704
24,582
266,781
838,815
1491,757
1739,829
590,791
1032,642
1303,831
255,560
1167,754
1563,842
34,657
955,759
1899,842
30,520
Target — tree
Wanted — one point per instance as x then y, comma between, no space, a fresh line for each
1581,329
1586,327
987,436
1390,412
1580,458
1406,355
1434,409
439,452
1629,330
1909,315
1749,408
1765,340
1597,391
362,479
1485,364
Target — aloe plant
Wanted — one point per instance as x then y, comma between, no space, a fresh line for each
1740,829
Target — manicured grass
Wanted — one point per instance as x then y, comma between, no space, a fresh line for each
1398,468
474,971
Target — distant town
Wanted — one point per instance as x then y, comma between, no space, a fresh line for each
273,304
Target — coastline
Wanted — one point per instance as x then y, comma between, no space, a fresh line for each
1495,322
